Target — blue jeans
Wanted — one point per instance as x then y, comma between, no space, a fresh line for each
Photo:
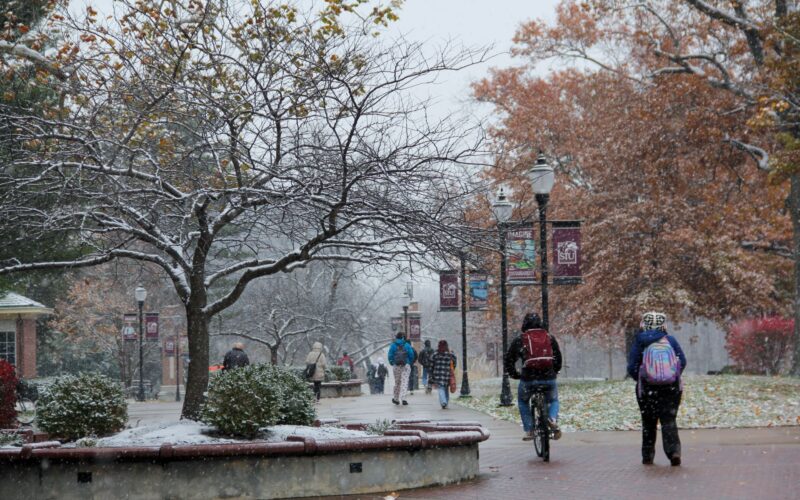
524,394
444,394
425,376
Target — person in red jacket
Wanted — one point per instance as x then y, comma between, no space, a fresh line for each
348,361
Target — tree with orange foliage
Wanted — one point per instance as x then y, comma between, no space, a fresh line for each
745,49
671,210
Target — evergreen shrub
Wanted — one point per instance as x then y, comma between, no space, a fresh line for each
8,395
73,407
240,402
340,373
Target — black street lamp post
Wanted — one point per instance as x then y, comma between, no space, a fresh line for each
140,293
178,366
464,377
502,211
542,179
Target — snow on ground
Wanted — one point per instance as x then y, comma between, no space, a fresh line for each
708,401
189,432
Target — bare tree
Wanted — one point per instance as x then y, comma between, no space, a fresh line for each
229,141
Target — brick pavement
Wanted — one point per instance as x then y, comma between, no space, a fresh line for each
718,464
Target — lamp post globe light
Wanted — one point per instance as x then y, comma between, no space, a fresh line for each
542,179
502,209
141,294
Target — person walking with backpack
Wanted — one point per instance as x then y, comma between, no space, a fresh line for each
541,362
401,357
442,364
382,373
656,362
315,368
426,360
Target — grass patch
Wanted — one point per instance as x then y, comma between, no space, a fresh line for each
728,401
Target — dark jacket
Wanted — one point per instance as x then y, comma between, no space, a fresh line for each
426,357
401,344
440,362
640,343
516,352
236,358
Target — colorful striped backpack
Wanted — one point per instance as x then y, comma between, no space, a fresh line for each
660,365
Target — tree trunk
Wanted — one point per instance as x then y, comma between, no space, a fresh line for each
197,379
273,354
794,209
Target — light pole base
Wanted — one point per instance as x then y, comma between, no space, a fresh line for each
465,387
505,393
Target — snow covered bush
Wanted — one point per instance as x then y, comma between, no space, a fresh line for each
8,395
340,374
240,402
89,404
761,346
297,403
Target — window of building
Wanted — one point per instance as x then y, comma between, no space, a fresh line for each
8,347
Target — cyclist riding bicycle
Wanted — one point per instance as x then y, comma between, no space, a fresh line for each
541,362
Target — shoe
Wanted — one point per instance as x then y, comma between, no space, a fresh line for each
528,436
405,403
395,401
647,461
675,460
555,429
444,407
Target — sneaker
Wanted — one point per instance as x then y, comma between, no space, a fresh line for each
444,407
405,403
555,429
528,436
395,401
675,460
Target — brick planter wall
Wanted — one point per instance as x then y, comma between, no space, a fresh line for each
417,454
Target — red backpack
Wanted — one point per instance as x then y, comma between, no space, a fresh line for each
538,350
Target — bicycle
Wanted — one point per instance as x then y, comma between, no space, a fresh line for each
541,424
26,402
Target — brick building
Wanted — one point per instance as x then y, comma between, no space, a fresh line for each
18,331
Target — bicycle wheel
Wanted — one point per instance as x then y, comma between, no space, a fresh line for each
538,445
544,430
26,411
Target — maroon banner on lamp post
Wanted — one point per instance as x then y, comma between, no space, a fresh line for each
151,327
129,327
567,252
169,346
414,328
521,255
448,291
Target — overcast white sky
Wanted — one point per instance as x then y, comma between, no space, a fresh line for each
473,23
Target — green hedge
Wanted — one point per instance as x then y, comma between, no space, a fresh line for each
73,407
241,402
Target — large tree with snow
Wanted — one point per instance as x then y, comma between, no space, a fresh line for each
229,141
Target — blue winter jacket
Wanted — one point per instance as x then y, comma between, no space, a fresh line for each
640,343
404,345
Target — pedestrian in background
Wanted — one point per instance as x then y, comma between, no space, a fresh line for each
317,357
426,360
235,358
442,363
347,361
401,357
383,372
656,361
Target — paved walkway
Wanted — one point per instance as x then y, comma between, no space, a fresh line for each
717,463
